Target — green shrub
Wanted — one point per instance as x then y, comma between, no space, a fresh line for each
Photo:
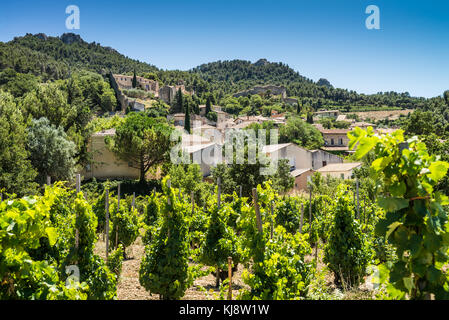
346,252
164,268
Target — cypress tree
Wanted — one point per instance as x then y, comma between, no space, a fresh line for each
310,118
208,105
187,117
179,101
134,79
298,108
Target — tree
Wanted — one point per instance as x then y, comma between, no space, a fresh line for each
16,172
446,96
310,117
208,105
134,79
420,123
298,108
283,181
179,101
187,177
187,118
301,133
51,153
142,141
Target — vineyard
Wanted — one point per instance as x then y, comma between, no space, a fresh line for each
69,244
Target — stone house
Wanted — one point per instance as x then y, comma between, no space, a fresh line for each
302,177
300,158
340,170
105,165
335,139
126,82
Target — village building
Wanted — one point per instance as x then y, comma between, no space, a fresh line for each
302,177
340,170
205,155
168,93
362,125
335,139
126,82
104,164
327,114
300,158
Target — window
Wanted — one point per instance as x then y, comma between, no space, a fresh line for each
341,141
324,163
342,175
332,142
88,168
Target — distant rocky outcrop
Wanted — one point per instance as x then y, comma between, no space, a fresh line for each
324,82
273,90
69,38
41,36
261,62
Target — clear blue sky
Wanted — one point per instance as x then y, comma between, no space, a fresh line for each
322,38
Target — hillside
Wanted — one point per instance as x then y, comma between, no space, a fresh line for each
72,50
56,57
237,75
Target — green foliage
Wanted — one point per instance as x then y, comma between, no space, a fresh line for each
16,171
124,221
37,237
282,273
288,214
143,141
51,153
415,223
283,181
301,133
164,268
346,252
220,240
115,260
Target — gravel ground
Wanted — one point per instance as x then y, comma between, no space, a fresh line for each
129,287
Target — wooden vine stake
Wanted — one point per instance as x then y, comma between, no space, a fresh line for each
257,209
310,208
240,194
230,278
107,223
168,202
192,199
48,181
133,203
358,199
302,217
118,212
219,193
77,232
272,214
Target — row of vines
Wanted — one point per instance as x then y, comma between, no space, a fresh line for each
400,237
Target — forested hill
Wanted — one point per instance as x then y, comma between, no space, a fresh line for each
55,57
69,50
237,75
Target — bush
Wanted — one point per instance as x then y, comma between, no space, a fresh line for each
346,252
164,268
115,260
282,274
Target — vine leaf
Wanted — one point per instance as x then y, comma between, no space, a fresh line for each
393,204
392,227
438,170
52,235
